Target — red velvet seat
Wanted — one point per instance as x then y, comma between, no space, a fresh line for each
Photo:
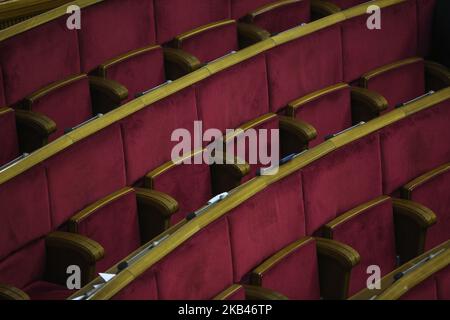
432,190
9,144
126,52
345,4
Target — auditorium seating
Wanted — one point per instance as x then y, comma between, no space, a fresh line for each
9,143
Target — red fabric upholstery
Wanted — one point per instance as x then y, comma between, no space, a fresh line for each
67,106
371,233
115,227
341,180
139,73
200,269
24,266
401,84
175,16
413,146
41,290
147,133
9,144
443,284
425,13
234,96
424,291
396,40
345,4
114,27
296,276
435,195
303,66
143,288
26,214
265,224
285,17
84,173
212,43
38,57
2,93
189,184
240,8
328,114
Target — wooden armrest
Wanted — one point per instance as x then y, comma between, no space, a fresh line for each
411,223
33,129
336,261
11,293
366,104
260,293
106,94
155,210
408,188
295,135
28,102
322,8
226,177
65,249
179,63
437,76
250,34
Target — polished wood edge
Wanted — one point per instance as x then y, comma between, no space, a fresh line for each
108,87
365,78
32,98
160,200
408,188
294,105
321,8
103,68
35,120
251,34
434,70
12,293
361,9
258,273
370,99
16,9
248,125
89,248
353,213
183,59
421,215
194,32
299,128
224,295
268,7
338,251
5,110
260,293
75,220
149,177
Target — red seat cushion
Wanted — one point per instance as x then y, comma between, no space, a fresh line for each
240,8
9,144
423,291
296,275
443,284
67,106
345,4
115,227
401,84
371,233
142,288
41,290
212,43
284,17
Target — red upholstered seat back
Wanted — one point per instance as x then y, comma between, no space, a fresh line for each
200,269
189,184
421,137
143,288
303,66
84,173
114,27
345,4
396,40
115,227
2,93
174,17
266,223
240,8
341,180
147,133
212,43
234,96
296,275
67,106
435,194
38,57
401,84
9,145
371,233
424,291
443,284
425,13
285,17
